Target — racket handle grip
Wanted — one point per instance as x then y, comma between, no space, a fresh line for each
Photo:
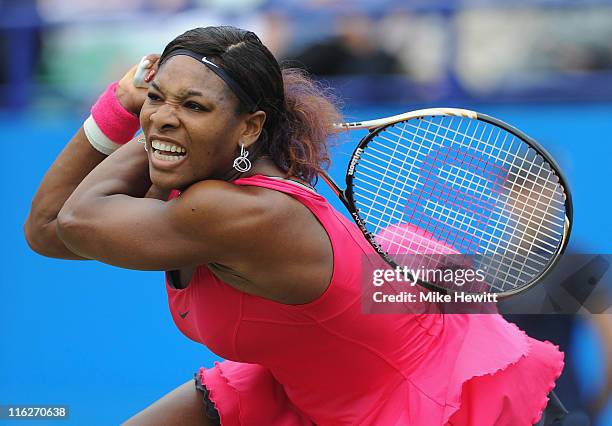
141,72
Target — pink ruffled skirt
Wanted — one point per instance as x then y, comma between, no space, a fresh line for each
494,375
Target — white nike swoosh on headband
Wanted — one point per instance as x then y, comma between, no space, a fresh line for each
205,59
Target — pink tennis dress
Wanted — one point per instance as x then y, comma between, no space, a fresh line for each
327,363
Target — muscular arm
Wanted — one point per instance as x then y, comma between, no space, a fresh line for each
107,219
74,163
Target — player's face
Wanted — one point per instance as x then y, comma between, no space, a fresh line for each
191,125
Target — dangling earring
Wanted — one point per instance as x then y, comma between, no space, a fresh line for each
242,163
143,141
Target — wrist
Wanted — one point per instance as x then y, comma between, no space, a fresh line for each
125,100
110,124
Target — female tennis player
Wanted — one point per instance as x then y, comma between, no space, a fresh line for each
259,267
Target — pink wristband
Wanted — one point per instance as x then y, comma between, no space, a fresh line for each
117,123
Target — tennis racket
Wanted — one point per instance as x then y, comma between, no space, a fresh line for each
446,181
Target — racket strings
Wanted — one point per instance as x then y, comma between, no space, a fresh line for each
509,270
466,185
515,191
390,189
410,151
515,157
496,222
530,239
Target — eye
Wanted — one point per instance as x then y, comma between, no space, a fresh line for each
153,97
195,106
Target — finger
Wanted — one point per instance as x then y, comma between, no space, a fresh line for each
145,62
150,75
141,72
154,67
153,58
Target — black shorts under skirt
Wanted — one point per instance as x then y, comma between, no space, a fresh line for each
209,407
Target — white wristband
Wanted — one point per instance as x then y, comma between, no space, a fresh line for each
97,139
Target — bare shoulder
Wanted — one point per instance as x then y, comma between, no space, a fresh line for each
224,200
237,219
267,236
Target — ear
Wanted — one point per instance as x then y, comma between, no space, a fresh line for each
253,126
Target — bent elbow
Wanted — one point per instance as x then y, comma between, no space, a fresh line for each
34,236
42,238
75,232
67,227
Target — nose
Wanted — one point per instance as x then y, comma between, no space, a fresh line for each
165,117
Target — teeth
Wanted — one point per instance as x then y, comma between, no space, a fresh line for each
167,147
163,157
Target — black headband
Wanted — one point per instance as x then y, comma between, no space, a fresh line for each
223,75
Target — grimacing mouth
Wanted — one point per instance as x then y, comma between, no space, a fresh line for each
166,149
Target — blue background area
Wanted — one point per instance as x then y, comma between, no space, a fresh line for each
101,339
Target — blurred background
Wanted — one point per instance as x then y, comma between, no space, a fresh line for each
101,340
